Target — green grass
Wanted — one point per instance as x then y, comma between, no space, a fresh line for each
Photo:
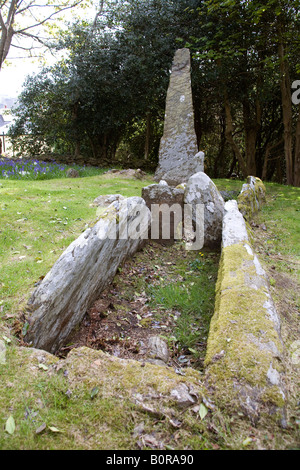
226,184
191,298
71,420
38,220
282,217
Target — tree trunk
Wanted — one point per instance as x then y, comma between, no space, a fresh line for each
7,31
219,157
232,167
230,139
148,134
297,153
250,144
77,150
286,100
252,126
99,147
76,133
269,149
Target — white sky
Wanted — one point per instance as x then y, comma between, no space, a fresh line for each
12,76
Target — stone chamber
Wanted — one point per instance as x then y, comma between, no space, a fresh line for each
244,357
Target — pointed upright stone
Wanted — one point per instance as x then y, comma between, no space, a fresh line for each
178,153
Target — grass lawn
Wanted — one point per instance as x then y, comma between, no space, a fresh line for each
39,219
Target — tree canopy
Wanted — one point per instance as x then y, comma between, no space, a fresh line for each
105,102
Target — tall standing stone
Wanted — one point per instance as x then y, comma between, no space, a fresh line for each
178,154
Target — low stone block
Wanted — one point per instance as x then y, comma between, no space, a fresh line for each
201,190
164,229
162,193
72,173
158,351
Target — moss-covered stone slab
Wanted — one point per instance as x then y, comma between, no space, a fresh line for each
244,360
156,389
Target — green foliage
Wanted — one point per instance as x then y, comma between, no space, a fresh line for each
105,102
111,81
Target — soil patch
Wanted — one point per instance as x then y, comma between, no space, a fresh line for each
125,316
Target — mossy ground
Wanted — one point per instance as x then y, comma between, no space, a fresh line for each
39,390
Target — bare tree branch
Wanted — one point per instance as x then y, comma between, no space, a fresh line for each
39,23
99,13
11,8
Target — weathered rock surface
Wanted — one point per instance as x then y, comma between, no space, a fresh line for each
85,268
107,199
251,197
130,173
168,228
200,189
158,351
162,193
183,396
244,360
178,153
234,228
157,390
72,173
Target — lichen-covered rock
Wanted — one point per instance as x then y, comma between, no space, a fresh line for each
244,360
178,152
170,227
158,352
162,194
183,396
107,199
200,189
72,173
234,228
251,197
129,173
85,268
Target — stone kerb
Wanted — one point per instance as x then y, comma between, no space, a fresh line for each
85,268
201,190
244,364
251,197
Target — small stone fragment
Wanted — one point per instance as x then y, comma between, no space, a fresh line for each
182,396
72,173
158,349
